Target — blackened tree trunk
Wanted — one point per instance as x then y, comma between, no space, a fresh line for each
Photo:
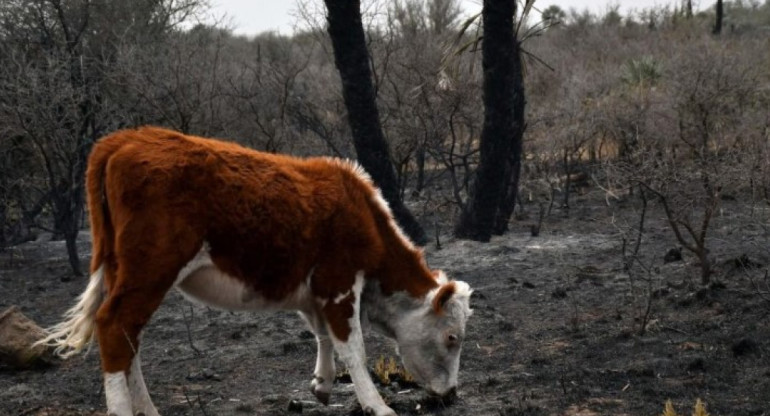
67,205
511,191
720,14
352,60
496,167
513,162
3,243
420,159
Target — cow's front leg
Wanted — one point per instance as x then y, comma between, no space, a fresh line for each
343,319
325,369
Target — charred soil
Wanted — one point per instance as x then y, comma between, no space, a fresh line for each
561,327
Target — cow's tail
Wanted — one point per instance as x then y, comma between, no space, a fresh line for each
76,331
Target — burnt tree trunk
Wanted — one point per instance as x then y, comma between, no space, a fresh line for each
513,162
3,222
352,60
477,219
67,205
720,14
511,192
420,160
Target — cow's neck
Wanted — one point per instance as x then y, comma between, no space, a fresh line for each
401,267
400,282
386,312
396,290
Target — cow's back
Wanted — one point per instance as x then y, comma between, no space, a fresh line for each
267,219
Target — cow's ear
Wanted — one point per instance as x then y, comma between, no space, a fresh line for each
439,276
442,296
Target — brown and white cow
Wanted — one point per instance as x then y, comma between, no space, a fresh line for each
242,230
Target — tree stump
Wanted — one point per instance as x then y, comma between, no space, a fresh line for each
17,334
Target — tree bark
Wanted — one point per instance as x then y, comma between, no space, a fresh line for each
70,241
511,192
489,186
720,15
513,163
420,160
352,60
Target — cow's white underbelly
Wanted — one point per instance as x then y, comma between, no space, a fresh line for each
201,281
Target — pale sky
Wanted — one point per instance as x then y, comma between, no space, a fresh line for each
249,17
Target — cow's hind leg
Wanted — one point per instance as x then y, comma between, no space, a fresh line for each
325,369
343,317
119,322
140,397
133,295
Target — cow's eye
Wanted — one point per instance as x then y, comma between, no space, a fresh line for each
452,339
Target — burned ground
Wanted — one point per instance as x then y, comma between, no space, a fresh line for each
560,328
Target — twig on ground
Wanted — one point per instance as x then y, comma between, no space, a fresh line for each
189,332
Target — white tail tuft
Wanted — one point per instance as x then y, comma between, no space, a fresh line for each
72,335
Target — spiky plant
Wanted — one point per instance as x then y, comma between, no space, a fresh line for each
645,71
387,371
669,409
699,409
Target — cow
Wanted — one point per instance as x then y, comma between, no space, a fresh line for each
238,229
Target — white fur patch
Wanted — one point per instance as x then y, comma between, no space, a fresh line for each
356,289
358,286
353,354
352,166
140,397
201,281
462,289
118,396
202,259
341,297
309,278
462,293
325,368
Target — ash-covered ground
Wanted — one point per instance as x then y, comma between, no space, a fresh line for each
560,327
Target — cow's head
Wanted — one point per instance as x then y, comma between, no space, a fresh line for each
431,337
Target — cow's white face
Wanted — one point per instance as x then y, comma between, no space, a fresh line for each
431,337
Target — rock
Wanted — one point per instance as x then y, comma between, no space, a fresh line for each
745,346
675,254
204,375
697,364
744,262
559,293
306,335
295,406
17,334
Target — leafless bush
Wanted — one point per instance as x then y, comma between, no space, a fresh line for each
669,112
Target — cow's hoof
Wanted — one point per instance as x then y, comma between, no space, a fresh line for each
318,390
322,397
384,411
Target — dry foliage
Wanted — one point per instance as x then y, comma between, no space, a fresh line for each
388,371
699,409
